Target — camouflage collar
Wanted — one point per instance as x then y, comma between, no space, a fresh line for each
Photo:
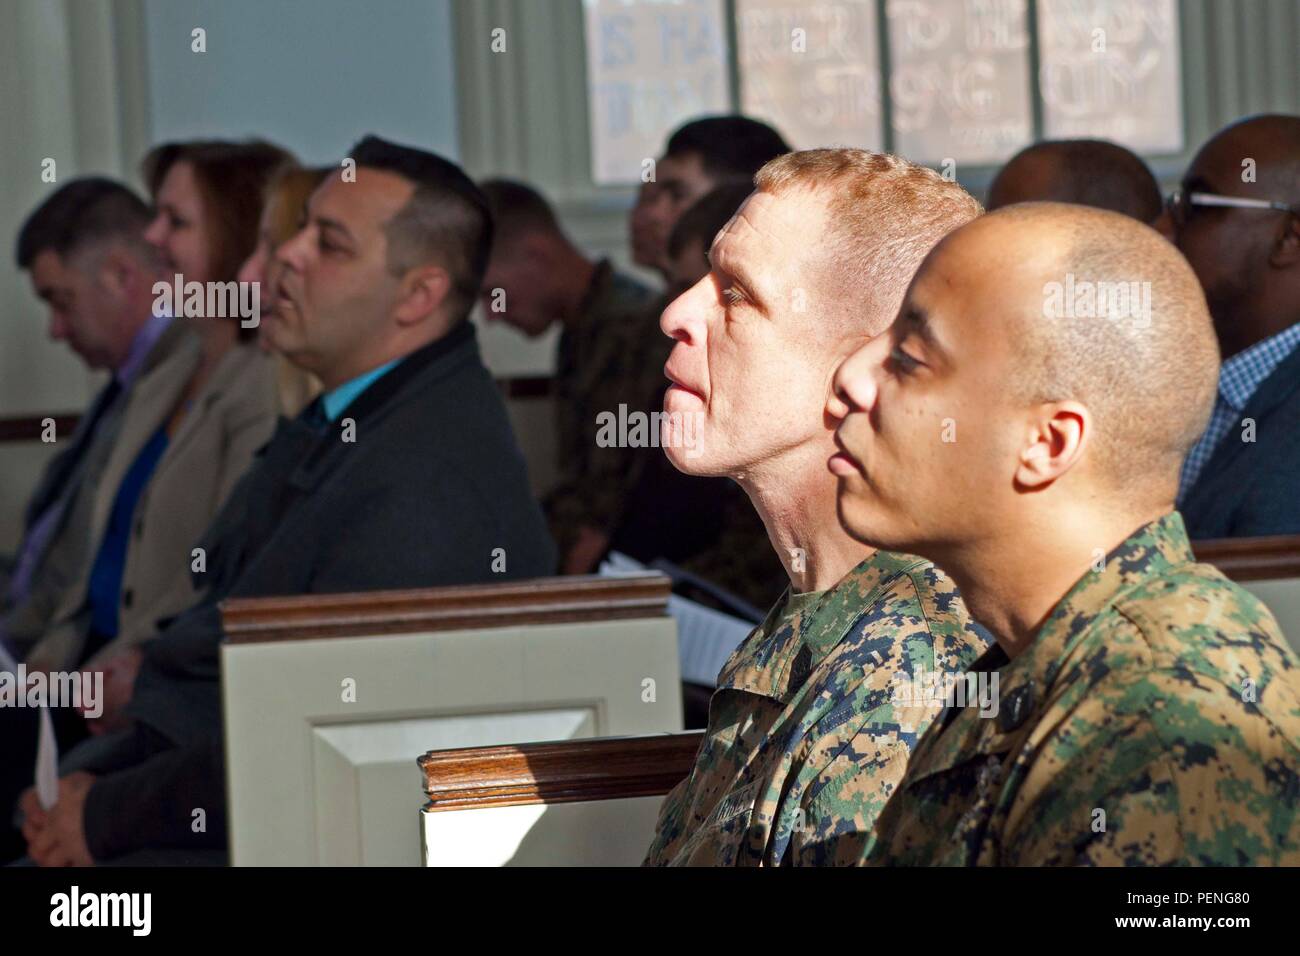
776,659
1025,684
1151,551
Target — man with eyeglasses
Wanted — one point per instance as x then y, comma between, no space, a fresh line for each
1236,217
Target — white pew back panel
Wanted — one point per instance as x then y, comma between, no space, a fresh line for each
320,732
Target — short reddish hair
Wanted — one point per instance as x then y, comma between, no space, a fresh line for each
885,214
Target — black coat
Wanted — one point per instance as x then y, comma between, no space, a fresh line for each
432,486
1248,489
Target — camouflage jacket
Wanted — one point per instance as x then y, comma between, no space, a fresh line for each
614,355
1155,720
805,738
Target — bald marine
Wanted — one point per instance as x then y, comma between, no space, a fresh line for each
1022,425
1087,172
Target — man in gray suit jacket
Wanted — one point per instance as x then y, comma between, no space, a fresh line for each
83,248
1236,217
404,473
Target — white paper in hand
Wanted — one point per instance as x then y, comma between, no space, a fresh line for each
47,749
47,763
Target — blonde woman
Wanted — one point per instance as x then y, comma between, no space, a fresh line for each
282,213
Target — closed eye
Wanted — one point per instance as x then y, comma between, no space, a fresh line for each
903,362
733,295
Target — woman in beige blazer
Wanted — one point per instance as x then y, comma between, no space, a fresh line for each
216,411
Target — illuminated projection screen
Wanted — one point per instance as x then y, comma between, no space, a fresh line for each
812,70
651,64
959,79
1109,69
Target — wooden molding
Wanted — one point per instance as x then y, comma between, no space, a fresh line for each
527,386
1252,559
604,768
29,427
537,601
23,428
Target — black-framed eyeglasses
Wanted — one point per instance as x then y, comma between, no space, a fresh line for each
1180,201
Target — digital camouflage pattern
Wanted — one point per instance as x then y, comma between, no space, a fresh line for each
806,739
614,354
1155,720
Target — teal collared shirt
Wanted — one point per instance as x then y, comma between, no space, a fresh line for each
335,402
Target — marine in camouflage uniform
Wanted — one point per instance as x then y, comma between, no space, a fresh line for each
806,737
613,354
1155,720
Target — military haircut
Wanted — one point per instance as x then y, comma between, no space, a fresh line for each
82,215
1149,376
885,215
729,147
446,220
516,206
1088,172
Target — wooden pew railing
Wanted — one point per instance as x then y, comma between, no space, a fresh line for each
26,428
558,772
1252,559
30,427
537,601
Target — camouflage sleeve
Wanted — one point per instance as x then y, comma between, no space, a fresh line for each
843,803
668,827
1156,768
898,704
1099,793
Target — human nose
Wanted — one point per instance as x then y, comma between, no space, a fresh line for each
854,386
156,232
291,252
684,318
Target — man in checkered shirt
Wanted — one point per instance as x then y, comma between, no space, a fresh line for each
1236,217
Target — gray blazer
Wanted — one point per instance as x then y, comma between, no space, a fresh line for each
230,419
66,560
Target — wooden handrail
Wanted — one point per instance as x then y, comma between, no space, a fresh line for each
30,427
537,601
21,428
1252,559
603,768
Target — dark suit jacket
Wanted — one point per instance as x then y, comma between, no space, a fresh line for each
432,485
1253,488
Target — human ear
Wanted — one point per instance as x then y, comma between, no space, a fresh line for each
423,292
1054,442
1286,250
116,273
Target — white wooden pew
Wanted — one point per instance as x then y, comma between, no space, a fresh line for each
326,698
